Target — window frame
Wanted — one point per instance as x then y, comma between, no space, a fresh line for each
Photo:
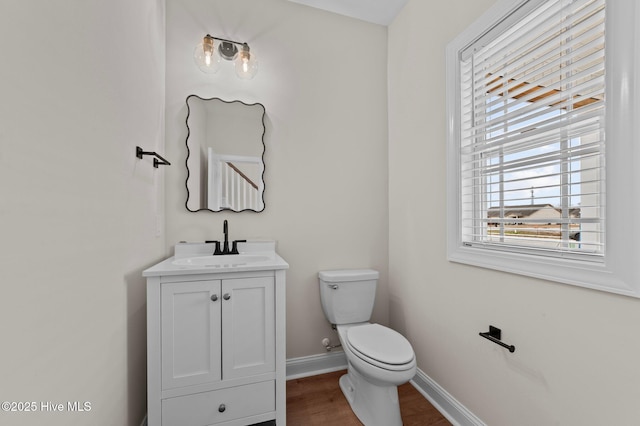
619,271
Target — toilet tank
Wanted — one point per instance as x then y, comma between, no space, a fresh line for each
348,295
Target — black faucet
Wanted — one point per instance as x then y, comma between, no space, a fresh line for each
225,244
225,229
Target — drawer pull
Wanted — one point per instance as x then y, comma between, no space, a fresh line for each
221,408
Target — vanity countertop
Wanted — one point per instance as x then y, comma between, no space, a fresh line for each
197,258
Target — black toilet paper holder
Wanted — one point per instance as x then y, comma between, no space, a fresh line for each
495,335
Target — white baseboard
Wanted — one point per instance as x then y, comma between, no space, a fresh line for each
450,407
315,364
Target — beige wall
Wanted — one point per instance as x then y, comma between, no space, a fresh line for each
577,350
82,84
322,80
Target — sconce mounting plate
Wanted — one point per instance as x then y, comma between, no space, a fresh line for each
228,50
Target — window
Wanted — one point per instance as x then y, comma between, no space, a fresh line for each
530,103
532,146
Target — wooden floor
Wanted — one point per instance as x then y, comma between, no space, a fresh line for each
318,401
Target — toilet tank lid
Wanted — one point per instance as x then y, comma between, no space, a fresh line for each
342,275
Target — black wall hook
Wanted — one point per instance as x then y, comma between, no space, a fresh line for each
495,334
158,161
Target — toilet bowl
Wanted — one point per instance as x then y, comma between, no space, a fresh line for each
378,358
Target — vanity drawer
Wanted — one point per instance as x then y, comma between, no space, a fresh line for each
204,408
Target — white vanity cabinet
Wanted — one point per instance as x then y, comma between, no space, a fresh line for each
216,329
216,347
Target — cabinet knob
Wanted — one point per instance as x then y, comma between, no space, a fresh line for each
226,296
214,297
221,408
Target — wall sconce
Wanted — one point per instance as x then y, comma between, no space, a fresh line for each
210,52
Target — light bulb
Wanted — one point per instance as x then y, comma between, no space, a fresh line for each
205,56
246,63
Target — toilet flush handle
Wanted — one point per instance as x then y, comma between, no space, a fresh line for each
334,286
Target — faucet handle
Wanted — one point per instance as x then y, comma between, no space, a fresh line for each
234,248
217,251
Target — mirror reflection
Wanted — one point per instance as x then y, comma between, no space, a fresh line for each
225,148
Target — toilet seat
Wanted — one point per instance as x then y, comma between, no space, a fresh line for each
380,346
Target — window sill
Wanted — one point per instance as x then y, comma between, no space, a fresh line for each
593,275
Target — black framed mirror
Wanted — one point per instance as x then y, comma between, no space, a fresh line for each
225,155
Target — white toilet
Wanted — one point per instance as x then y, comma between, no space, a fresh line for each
379,359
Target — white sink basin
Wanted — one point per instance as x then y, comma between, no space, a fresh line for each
222,260
197,258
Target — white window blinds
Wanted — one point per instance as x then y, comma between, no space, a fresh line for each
532,132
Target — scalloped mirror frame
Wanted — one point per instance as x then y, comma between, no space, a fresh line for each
203,204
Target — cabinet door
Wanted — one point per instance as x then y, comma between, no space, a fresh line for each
248,327
190,317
